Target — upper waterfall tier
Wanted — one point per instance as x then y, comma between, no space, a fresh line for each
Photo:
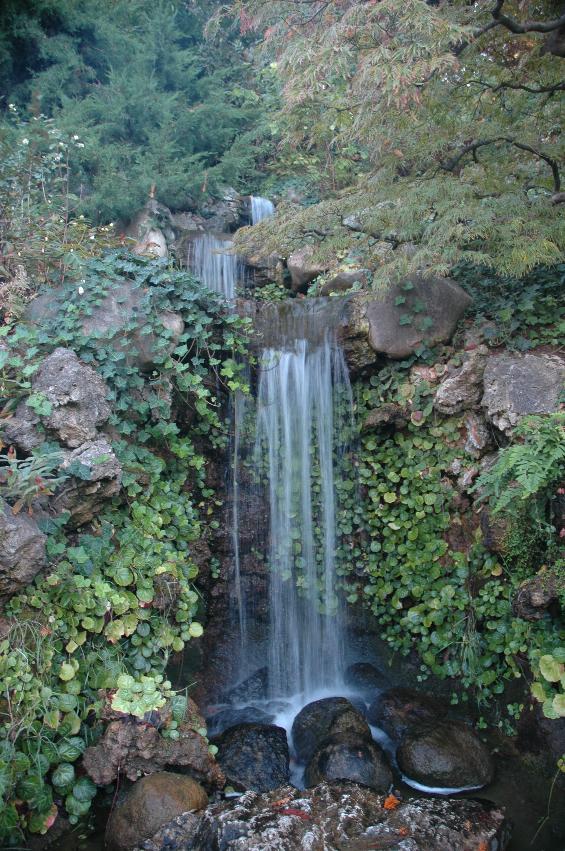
211,261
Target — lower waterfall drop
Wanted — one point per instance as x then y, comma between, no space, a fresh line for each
211,261
302,392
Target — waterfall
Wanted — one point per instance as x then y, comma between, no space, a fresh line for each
212,264
303,383
261,208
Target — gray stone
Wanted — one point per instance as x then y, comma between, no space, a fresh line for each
389,414
152,244
335,817
432,305
324,718
303,269
22,551
95,476
347,756
517,385
254,756
445,754
343,280
77,395
150,803
462,388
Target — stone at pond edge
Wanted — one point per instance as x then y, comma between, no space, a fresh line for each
447,754
254,756
323,718
399,710
150,803
335,817
22,550
346,756
517,385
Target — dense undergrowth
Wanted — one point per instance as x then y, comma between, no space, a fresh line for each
117,597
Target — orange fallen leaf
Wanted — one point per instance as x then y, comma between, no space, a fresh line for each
483,846
391,802
281,802
403,831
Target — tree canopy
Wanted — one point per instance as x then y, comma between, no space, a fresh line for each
455,107
151,100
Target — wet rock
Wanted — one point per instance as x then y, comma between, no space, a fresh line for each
253,687
446,754
365,678
95,476
439,301
400,710
335,817
231,716
323,718
265,268
517,385
22,551
537,597
150,803
77,396
254,756
389,414
462,388
131,748
346,756
303,268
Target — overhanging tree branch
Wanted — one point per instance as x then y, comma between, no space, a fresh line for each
473,147
527,26
534,90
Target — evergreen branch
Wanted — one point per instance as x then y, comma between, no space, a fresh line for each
473,147
557,87
528,26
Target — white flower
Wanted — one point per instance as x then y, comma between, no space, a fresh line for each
81,290
25,141
80,145
75,137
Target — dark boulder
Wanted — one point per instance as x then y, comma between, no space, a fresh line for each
254,756
323,718
365,678
335,817
251,688
346,756
399,710
448,754
538,597
230,716
150,803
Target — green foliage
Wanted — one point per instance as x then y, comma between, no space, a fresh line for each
528,470
459,121
117,597
453,606
517,313
22,480
550,685
152,102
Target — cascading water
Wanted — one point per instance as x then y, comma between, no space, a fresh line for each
261,208
303,408
211,261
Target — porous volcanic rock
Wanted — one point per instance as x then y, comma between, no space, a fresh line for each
462,388
95,477
336,817
22,551
77,396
